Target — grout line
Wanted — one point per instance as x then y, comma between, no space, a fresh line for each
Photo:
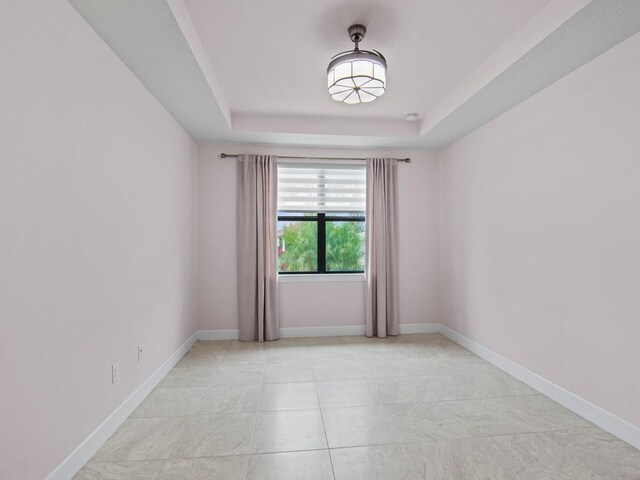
324,429
253,431
275,452
289,451
164,465
246,467
459,439
474,399
381,444
379,404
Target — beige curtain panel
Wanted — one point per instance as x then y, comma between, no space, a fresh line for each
381,302
256,227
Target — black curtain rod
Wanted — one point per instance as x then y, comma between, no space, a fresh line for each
406,160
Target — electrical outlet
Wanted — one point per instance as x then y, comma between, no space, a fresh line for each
139,353
114,372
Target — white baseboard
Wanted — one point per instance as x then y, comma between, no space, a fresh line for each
83,453
330,331
613,424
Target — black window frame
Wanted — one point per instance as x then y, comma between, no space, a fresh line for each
321,218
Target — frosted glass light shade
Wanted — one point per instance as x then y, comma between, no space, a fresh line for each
358,76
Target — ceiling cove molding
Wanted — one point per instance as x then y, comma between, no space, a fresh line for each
185,23
148,38
585,34
157,40
343,126
532,33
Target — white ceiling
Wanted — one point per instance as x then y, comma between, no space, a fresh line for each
254,71
271,56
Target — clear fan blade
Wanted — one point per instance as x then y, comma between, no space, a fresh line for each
338,88
366,97
352,98
339,97
376,92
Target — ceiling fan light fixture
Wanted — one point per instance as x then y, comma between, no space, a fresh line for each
357,76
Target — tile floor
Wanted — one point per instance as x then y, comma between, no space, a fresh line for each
414,407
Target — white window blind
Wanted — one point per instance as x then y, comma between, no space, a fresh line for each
321,188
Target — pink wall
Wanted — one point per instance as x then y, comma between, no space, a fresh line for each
540,233
97,237
316,304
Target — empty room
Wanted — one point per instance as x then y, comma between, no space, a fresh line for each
320,240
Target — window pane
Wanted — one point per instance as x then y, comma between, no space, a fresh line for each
297,246
345,246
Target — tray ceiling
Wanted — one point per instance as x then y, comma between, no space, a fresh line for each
247,71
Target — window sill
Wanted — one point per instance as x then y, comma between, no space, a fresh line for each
315,277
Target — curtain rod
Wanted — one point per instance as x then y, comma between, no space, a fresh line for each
406,160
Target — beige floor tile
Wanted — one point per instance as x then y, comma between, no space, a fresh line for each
432,344
332,370
324,341
287,343
287,372
245,357
170,401
443,410
292,354
394,367
418,366
212,345
384,462
599,451
358,426
337,347
362,340
142,439
120,471
418,337
288,430
331,353
477,418
552,455
248,346
447,385
309,465
288,396
221,375
213,435
214,468
380,355
202,358
345,393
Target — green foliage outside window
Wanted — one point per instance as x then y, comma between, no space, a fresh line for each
345,246
300,241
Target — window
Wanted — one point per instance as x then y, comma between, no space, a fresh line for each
321,220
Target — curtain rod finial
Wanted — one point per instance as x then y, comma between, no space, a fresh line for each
223,155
